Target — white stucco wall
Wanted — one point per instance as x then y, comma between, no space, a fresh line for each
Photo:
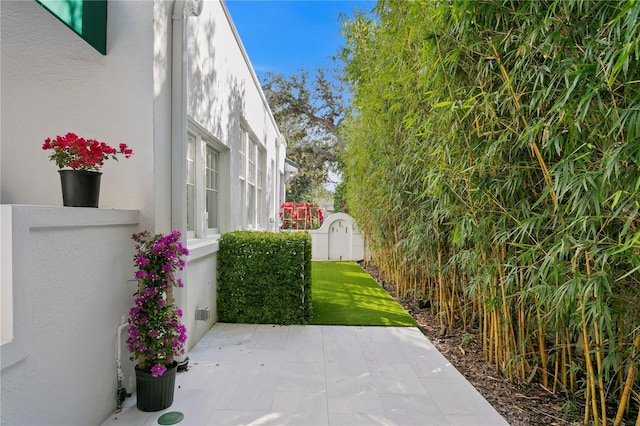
59,368
53,82
69,267
162,114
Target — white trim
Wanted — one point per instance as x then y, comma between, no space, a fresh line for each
201,234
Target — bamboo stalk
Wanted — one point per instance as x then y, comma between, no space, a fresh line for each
585,420
496,336
626,392
563,363
590,373
621,348
441,293
572,374
534,146
522,329
556,363
603,402
509,340
453,291
485,330
542,347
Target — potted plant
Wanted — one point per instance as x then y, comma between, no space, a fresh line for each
156,335
80,161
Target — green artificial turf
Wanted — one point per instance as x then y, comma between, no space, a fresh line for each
344,294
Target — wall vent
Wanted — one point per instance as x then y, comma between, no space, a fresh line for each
203,314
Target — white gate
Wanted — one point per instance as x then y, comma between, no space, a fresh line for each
337,239
340,234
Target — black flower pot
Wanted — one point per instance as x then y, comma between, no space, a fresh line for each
80,188
155,393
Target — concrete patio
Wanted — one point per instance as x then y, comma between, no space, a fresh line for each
247,374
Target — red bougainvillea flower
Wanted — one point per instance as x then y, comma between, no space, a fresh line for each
79,153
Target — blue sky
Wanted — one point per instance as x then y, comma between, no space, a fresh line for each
285,35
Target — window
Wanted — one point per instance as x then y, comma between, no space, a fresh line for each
191,182
242,150
251,184
242,159
204,165
252,164
260,165
212,187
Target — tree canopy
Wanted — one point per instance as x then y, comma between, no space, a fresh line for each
309,111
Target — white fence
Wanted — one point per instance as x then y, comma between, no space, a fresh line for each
337,239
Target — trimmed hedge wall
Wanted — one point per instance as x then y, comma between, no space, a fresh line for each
264,277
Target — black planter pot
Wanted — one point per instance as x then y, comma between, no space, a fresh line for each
80,188
155,393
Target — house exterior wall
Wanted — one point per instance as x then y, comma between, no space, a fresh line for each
224,94
53,82
70,292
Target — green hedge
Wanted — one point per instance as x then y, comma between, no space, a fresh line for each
264,277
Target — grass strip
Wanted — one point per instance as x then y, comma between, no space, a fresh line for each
345,294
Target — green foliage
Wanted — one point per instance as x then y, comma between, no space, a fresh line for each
340,198
299,189
264,277
493,161
309,110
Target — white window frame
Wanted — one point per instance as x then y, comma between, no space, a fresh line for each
192,155
204,141
261,161
215,188
252,164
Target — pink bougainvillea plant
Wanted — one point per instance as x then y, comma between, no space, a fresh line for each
156,335
72,151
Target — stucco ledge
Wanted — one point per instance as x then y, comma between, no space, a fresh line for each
55,216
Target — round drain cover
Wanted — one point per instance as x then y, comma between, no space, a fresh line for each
171,418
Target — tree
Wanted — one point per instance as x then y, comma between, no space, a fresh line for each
309,111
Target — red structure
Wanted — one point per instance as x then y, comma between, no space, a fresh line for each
301,216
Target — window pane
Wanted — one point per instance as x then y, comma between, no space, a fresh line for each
191,159
243,204
241,158
260,167
212,209
252,161
191,181
212,188
251,202
190,207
